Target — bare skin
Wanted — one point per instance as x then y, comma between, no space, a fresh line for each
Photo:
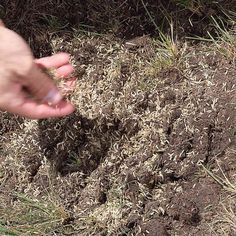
24,89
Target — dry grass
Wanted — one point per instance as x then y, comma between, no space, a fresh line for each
32,217
224,223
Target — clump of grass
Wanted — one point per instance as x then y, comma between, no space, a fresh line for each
223,38
165,45
167,53
224,222
27,216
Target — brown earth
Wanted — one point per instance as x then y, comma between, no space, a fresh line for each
39,22
147,143
130,160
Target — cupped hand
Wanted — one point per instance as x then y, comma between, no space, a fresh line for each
24,89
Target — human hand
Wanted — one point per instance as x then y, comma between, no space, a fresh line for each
24,89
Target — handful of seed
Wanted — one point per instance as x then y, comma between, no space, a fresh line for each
65,86
51,73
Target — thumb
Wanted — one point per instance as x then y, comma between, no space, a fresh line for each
42,87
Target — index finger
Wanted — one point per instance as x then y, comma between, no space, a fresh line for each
55,61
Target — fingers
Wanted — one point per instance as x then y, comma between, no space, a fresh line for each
59,61
21,105
33,110
64,71
41,87
55,61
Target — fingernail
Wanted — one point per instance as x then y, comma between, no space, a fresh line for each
53,97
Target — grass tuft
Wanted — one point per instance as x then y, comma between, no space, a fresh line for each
224,223
27,216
